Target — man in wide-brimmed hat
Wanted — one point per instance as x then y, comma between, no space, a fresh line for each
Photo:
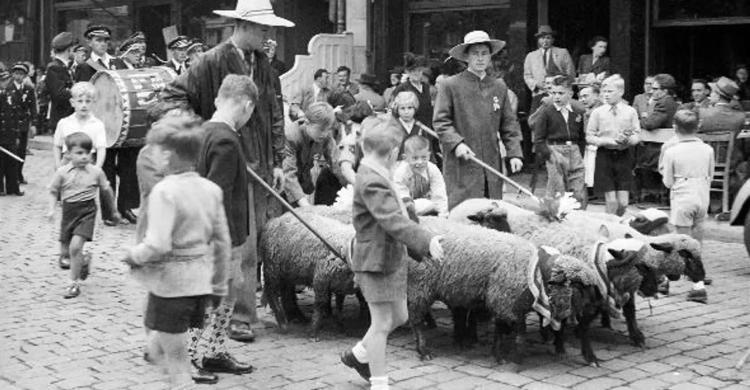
367,84
547,60
471,111
263,141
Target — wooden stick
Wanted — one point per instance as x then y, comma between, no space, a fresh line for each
486,166
291,210
742,361
8,152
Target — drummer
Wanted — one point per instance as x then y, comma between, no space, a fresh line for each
98,38
195,50
131,53
178,50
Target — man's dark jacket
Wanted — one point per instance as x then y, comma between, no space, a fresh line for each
221,160
58,82
86,71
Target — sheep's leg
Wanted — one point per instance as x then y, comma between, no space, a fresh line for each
271,293
519,345
582,332
544,331
289,300
364,311
416,316
606,319
498,350
429,320
338,314
636,336
320,308
471,329
459,326
559,339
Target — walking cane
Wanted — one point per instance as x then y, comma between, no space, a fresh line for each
742,360
8,152
488,167
291,210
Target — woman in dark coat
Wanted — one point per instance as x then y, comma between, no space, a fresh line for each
596,62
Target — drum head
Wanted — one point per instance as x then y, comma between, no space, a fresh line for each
108,106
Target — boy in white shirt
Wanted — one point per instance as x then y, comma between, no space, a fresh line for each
418,179
83,96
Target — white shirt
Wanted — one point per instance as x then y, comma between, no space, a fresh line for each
438,195
106,58
92,126
178,66
316,91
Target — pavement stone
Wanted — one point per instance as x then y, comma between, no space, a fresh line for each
95,341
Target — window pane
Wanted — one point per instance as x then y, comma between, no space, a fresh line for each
696,9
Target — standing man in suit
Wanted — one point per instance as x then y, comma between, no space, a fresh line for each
317,92
59,79
98,39
178,48
547,60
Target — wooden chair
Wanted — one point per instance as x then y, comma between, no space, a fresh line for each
723,144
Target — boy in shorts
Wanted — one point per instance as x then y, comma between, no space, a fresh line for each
75,183
687,167
182,260
613,128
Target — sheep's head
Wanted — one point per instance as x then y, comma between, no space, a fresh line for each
681,247
625,273
572,288
494,217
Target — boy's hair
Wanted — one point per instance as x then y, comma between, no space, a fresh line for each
593,87
415,143
666,82
320,113
344,68
359,111
83,88
615,81
381,137
234,85
173,134
686,121
562,81
701,81
403,98
79,139
319,73
163,108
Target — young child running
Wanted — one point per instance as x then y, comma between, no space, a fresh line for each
182,260
420,180
75,183
383,230
687,167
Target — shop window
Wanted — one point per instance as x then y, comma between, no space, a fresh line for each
701,9
13,21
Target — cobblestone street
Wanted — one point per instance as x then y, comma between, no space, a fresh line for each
95,341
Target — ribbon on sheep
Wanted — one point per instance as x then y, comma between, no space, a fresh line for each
536,286
598,251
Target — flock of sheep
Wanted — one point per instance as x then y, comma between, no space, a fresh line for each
587,265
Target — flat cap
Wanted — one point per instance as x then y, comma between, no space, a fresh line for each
181,42
97,30
62,41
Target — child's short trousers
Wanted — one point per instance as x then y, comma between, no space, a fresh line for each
175,315
78,219
614,170
378,287
687,212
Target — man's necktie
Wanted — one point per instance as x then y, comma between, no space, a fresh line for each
101,62
421,186
613,110
544,57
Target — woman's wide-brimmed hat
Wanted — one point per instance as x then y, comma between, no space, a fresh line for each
256,11
459,51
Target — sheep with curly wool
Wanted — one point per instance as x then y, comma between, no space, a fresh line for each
483,268
580,235
293,256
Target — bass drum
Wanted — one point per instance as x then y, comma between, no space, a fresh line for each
124,99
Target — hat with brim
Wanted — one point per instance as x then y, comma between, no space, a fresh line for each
98,31
195,43
545,30
725,87
368,79
475,37
255,11
20,66
181,42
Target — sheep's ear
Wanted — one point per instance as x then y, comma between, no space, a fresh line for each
617,254
628,235
603,231
663,246
478,218
686,254
495,204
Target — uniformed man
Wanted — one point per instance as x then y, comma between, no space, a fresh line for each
98,38
178,48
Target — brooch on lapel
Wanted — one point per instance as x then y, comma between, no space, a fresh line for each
578,119
10,99
495,103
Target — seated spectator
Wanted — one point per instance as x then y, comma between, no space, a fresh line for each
405,105
350,146
741,75
316,92
419,180
595,65
395,79
720,115
308,158
699,91
367,84
643,103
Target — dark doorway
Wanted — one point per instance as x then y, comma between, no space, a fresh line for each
576,22
151,19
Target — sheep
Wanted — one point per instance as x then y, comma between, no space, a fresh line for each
483,268
580,234
292,256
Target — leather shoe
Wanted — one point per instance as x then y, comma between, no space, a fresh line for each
663,287
225,362
18,193
110,222
699,296
129,216
241,332
349,360
707,281
64,262
72,291
203,377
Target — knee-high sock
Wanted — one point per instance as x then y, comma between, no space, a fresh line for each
216,329
196,339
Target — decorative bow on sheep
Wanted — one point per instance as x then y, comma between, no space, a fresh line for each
557,207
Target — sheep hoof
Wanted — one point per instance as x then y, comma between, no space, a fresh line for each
595,364
425,356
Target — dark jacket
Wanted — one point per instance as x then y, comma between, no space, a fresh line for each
86,71
221,160
476,112
58,82
301,155
171,64
721,117
662,114
601,65
263,136
550,128
19,108
381,228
